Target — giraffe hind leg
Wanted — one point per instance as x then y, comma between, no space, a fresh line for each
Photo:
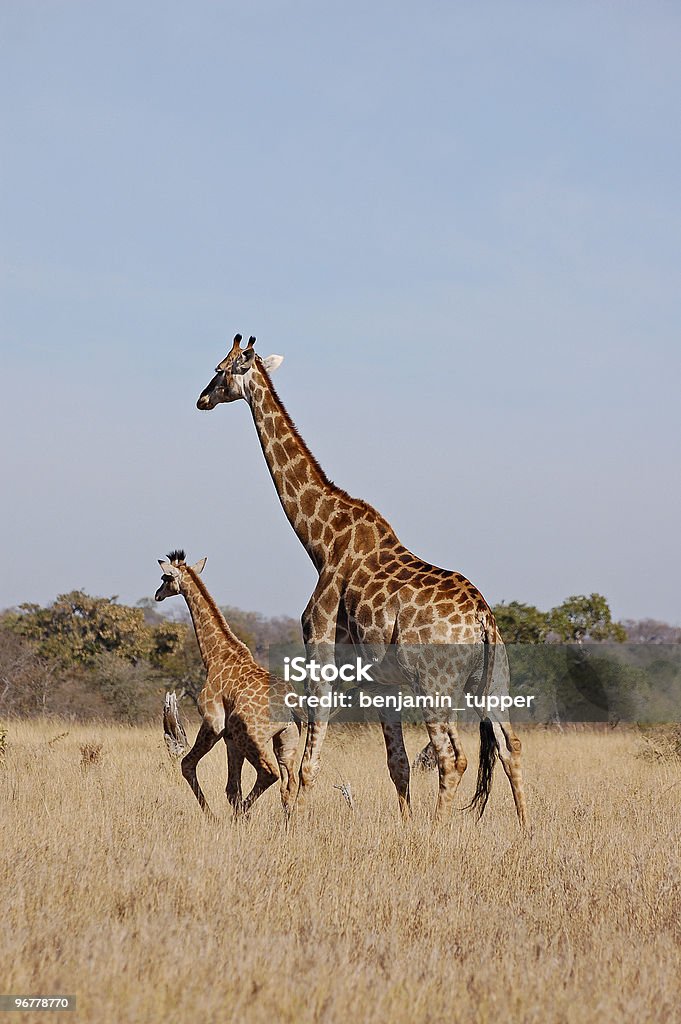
509,748
267,774
449,773
460,759
398,763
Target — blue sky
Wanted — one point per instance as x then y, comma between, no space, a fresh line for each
458,222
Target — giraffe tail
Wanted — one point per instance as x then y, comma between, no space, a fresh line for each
488,742
488,754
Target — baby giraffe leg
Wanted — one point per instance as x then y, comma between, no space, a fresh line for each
206,739
267,774
285,746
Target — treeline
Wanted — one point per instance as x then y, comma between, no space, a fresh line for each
584,667
91,657
578,619
88,657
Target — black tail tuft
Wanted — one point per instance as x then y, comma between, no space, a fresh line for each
488,753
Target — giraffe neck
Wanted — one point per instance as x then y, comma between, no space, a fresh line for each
210,625
300,481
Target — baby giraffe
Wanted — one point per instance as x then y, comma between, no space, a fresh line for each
236,702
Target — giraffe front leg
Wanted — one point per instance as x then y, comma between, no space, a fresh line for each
311,762
206,739
235,762
319,622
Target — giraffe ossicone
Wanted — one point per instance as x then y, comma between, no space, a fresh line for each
375,594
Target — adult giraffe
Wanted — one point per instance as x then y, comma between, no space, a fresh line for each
376,594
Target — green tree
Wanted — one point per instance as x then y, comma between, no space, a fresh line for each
182,667
126,686
26,678
259,633
581,618
76,629
521,623
168,638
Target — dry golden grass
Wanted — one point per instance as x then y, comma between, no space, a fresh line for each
116,889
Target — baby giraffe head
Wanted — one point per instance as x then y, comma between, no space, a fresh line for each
232,374
175,571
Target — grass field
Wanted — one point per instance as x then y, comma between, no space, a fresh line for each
115,889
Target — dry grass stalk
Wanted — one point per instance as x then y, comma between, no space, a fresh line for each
346,792
55,739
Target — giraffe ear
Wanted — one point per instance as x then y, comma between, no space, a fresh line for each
272,363
168,569
198,568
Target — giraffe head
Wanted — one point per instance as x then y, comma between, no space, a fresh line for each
174,573
231,375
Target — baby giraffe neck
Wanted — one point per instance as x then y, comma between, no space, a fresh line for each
213,634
